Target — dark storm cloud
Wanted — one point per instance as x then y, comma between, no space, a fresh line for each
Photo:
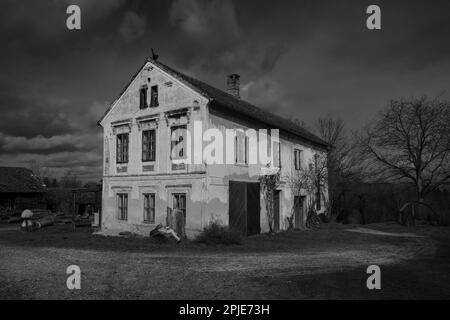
132,26
301,59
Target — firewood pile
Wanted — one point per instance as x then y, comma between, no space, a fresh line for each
32,220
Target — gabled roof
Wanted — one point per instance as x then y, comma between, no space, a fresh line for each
19,180
221,99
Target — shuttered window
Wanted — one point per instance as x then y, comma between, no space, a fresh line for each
241,148
276,155
298,159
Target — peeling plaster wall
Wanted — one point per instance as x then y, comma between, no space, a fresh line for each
206,186
162,180
163,186
220,175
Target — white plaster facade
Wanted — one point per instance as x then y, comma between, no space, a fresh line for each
205,186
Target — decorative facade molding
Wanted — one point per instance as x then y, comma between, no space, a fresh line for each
178,117
148,122
122,126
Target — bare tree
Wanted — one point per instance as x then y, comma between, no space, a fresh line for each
269,183
342,164
311,181
39,170
70,180
410,141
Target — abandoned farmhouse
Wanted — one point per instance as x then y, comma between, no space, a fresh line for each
147,173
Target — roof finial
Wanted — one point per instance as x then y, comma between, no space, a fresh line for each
154,55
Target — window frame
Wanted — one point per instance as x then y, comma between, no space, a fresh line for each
298,159
151,146
319,185
279,155
148,211
154,96
122,153
143,97
179,195
242,138
183,142
122,206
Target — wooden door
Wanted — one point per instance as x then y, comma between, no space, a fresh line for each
253,209
244,207
237,207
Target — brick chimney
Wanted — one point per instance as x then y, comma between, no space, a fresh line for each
233,83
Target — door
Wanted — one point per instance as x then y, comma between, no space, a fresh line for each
244,207
179,212
298,212
276,210
253,209
237,207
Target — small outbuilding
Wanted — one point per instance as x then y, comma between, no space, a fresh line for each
20,189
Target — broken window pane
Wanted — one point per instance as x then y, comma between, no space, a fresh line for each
154,97
143,98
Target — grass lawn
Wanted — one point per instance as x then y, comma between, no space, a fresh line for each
316,264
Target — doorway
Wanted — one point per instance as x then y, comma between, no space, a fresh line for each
244,207
276,210
179,212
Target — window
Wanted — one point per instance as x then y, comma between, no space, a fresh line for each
276,155
319,191
154,97
149,207
297,159
122,148
179,202
241,148
148,145
122,206
178,142
143,98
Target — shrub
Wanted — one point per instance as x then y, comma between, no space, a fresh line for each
215,233
323,218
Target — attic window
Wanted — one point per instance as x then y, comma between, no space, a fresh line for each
154,97
143,98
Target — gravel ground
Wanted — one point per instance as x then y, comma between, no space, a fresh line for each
329,263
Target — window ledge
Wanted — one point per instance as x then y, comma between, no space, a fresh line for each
241,164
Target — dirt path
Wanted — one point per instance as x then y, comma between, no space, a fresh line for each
253,271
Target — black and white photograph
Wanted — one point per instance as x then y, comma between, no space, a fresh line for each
224,154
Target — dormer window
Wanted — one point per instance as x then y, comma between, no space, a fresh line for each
154,97
143,98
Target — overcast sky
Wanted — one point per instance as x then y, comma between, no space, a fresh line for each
300,59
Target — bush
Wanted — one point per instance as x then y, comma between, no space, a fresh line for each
215,233
323,218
